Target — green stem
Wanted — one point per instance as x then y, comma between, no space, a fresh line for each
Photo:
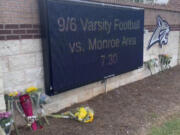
46,120
16,129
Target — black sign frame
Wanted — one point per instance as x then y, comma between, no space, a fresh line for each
43,10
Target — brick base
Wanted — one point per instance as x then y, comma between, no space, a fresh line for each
19,31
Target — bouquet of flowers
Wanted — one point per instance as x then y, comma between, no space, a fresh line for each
32,104
5,123
10,99
28,104
165,61
81,114
39,99
152,63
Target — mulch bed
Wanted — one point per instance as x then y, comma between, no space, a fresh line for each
124,111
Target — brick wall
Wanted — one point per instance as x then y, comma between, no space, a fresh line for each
19,19
19,12
19,31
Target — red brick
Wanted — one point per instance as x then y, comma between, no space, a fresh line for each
11,26
19,31
174,26
36,26
37,36
11,37
5,31
2,37
26,26
1,26
175,29
26,36
32,31
150,30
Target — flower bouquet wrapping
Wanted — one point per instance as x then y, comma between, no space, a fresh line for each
2,132
26,105
39,99
81,114
31,106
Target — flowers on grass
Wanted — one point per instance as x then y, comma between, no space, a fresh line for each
81,114
90,116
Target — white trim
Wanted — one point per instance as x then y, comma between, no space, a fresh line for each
104,4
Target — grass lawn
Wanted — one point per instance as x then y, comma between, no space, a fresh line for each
171,127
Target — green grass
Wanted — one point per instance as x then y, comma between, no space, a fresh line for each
154,115
171,127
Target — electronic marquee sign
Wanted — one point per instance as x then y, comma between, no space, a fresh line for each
85,42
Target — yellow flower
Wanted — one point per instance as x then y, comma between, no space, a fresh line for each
81,114
31,89
13,94
90,117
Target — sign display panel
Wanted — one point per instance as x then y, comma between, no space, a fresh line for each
89,42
